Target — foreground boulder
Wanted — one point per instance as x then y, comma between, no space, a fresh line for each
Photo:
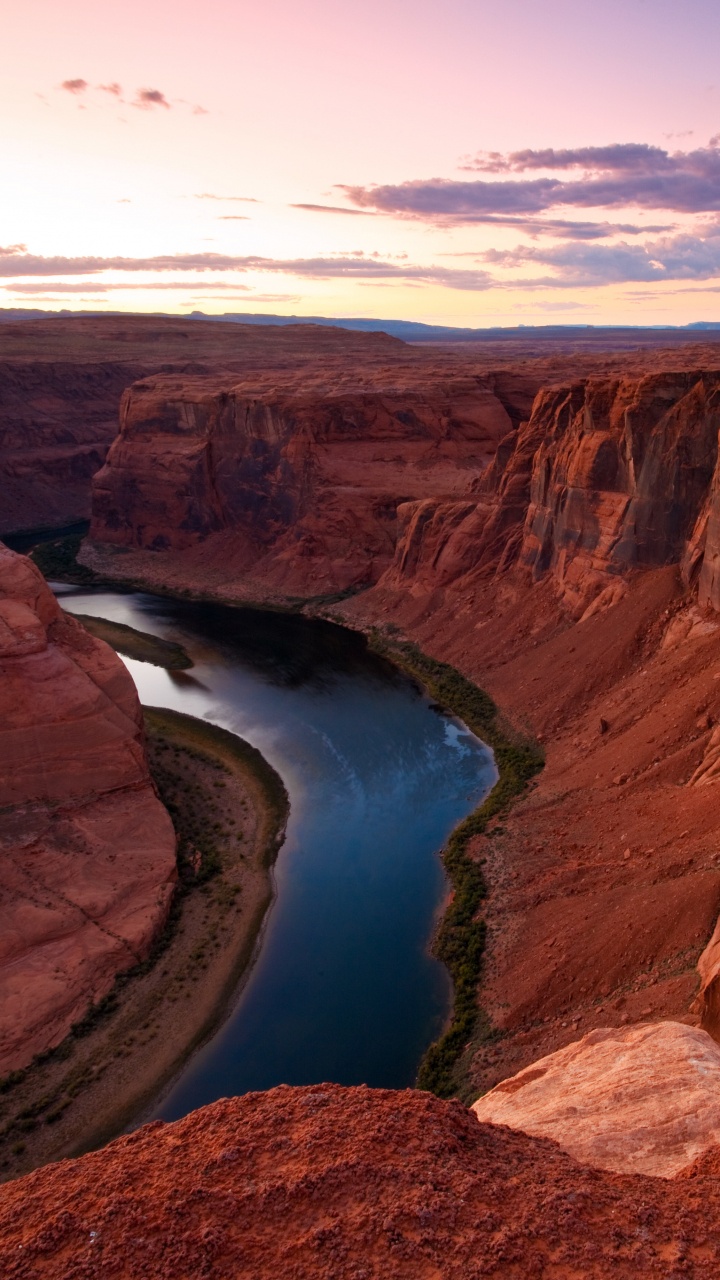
329,1183
87,851
643,1099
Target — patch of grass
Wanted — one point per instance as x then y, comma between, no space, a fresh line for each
460,938
58,561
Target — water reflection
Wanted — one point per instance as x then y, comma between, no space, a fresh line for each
344,988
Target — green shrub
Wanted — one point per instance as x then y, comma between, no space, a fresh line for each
460,938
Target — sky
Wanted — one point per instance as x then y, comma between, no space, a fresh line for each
470,162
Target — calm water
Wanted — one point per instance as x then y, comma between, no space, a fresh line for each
344,988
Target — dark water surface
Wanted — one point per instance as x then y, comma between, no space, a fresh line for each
344,988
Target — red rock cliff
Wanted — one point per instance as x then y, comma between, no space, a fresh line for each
87,850
607,476
305,474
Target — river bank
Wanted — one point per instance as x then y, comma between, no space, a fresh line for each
229,809
626,704
459,939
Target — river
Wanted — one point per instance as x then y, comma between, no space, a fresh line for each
344,987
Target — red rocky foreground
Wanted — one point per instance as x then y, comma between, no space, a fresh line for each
351,1184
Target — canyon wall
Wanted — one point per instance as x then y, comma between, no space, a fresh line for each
307,488
87,850
56,425
304,479
607,476
61,381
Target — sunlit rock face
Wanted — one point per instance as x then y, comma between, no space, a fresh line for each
305,473
642,1099
606,477
87,850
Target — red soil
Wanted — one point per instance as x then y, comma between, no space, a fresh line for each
350,1184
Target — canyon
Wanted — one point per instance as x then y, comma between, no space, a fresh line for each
549,523
573,576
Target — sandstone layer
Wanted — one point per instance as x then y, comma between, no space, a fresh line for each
60,386
350,1184
61,380
87,849
304,476
643,1099
606,476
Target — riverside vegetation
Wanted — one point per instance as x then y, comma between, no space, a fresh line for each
460,937
229,809
459,941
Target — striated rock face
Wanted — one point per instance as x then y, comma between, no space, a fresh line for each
87,851
619,476
349,1184
607,476
56,424
305,475
61,381
642,1099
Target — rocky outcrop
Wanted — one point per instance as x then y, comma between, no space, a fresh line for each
350,1184
607,476
306,478
61,381
87,851
642,1099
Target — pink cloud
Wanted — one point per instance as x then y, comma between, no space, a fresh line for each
146,99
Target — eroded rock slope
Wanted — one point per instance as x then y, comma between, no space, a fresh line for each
87,851
302,475
350,1184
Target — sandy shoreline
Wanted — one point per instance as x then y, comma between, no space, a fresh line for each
230,809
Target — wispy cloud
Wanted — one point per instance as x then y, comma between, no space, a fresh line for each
333,208
17,263
679,257
145,99
211,195
234,217
122,286
620,175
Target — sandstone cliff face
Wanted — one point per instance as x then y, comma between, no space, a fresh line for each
61,381
87,851
606,476
307,479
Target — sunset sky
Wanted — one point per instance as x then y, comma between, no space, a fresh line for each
465,163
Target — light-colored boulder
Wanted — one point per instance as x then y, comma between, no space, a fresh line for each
641,1099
